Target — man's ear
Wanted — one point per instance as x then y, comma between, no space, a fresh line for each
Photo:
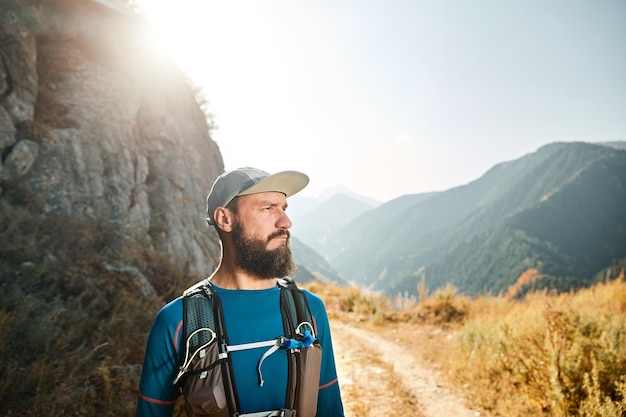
224,219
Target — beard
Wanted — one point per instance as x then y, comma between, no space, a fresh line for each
254,257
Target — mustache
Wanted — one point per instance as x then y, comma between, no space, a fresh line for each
279,233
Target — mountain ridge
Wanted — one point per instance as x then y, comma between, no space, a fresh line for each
371,249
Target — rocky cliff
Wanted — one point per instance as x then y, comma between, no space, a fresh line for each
95,124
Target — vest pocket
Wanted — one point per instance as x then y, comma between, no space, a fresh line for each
204,387
309,378
304,373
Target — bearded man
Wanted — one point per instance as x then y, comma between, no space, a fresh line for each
247,207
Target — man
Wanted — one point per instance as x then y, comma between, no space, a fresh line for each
247,208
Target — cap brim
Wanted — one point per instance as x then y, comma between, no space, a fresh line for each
286,182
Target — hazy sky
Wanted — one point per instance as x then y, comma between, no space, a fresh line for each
397,97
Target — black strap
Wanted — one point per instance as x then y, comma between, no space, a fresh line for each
294,307
203,308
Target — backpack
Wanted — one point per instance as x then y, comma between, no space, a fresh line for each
206,378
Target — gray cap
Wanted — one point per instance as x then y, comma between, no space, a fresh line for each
245,181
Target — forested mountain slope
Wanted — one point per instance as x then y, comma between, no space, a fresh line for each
562,202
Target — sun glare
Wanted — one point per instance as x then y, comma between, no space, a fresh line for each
233,45
268,74
202,34
179,27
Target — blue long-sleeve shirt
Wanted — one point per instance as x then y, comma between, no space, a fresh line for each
250,316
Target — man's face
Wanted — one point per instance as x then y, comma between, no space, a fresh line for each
265,253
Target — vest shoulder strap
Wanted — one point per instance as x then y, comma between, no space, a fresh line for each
204,330
295,309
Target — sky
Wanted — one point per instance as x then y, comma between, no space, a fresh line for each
396,97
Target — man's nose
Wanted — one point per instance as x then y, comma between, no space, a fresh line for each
284,222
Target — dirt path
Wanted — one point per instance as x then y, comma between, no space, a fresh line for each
380,378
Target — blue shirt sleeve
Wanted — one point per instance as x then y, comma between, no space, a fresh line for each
157,394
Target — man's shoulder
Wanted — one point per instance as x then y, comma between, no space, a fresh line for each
315,301
172,311
316,304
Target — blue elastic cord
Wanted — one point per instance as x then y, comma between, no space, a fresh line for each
307,341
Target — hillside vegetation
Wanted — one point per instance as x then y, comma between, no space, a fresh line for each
77,301
547,354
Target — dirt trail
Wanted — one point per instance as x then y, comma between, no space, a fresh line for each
366,381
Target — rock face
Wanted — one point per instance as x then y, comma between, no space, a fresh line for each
95,124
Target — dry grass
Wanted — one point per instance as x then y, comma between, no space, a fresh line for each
73,331
545,355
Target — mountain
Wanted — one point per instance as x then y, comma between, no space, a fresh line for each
358,232
312,266
321,219
615,144
561,210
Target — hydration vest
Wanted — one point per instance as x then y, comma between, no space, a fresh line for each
206,376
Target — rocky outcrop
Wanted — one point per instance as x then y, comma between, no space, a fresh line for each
95,124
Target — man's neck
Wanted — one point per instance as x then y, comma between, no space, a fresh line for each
237,279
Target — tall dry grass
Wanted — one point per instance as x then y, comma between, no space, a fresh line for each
549,354
544,355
